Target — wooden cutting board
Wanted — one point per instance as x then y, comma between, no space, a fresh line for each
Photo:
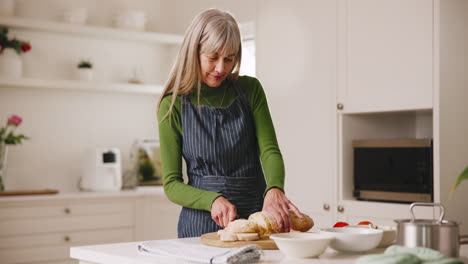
28,192
211,239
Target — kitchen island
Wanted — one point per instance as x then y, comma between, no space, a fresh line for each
128,253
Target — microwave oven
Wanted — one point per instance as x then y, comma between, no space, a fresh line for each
393,170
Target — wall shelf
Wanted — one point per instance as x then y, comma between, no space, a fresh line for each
81,86
89,30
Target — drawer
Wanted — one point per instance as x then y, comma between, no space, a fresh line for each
67,223
65,209
53,247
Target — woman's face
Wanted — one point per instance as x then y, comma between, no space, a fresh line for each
215,67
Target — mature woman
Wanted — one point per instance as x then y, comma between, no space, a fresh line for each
220,124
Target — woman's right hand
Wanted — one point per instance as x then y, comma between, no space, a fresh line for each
222,211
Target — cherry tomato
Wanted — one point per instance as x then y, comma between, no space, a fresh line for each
341,224
365,223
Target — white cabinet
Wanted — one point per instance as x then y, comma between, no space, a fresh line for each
432,36
296,65
158,218
398,69
39,229
385,55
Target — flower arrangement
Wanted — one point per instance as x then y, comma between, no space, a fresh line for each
19,46
85,64
7,134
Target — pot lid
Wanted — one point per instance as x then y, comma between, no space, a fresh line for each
426,222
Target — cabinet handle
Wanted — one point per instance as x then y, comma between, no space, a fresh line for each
67,210
66,239
340,208
340,106
326,207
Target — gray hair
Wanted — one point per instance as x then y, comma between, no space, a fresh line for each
214,31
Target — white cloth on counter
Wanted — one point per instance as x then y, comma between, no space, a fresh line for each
197,253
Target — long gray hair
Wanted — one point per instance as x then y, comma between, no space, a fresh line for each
217,32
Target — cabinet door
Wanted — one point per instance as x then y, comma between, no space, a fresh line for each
296,47
385,55
157,218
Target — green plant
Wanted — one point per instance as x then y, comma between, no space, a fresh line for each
85,64
7,133
463,176
19,46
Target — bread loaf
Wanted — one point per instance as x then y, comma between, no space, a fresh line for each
261,225
242,226
247,236
240,229
299,224
266,224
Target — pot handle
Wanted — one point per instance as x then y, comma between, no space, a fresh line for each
442,210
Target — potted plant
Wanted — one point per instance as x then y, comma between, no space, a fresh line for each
85,70
463,176
11,65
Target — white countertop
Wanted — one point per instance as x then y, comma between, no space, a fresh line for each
137,192
128,253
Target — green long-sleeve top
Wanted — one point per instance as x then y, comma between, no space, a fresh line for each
170,136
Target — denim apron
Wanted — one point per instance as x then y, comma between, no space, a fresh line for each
221,151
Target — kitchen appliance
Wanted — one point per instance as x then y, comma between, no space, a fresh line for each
442,235
146,159
393,170
102,170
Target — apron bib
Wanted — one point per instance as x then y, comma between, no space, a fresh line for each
221,151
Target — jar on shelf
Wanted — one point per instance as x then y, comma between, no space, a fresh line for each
11,65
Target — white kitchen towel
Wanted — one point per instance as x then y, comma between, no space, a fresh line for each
194,252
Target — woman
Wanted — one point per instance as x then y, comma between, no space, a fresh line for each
220,124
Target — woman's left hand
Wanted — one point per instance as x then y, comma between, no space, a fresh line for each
277,204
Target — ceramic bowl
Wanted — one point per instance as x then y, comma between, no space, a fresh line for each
354,239
388,237
302,245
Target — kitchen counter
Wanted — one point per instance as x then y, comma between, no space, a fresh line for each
137,192
127,253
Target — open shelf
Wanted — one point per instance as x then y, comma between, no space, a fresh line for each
89,30
81,86
389,125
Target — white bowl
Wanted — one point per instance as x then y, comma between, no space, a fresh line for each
302,245
388,237
354,239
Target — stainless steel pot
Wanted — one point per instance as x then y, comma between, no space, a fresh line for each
441,235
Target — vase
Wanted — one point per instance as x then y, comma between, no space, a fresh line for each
3,163
84,74
11,65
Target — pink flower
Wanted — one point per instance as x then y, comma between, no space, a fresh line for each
15,120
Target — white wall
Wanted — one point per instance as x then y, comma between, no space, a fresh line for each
63,124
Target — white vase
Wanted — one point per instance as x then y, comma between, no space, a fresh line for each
3,163
7,8
11,65
84,74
